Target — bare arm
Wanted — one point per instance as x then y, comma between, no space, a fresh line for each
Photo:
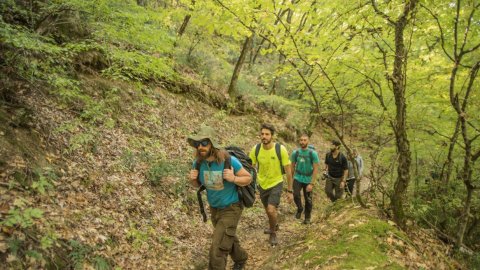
314,173
242,178
288,172
345,175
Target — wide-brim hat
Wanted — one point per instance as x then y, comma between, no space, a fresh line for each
205,132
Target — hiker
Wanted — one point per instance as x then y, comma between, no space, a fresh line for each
351,175
272,160
305,170
336,169
221,185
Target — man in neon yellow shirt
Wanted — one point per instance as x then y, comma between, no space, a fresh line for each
273,161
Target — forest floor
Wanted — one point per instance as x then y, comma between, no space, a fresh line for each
117,194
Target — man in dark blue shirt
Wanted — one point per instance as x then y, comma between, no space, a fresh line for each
336,167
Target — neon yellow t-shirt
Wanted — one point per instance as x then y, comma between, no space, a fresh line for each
269,171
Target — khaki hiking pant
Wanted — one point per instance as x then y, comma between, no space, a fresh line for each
225,240
332,188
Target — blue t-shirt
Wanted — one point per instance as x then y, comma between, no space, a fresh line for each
304,164
220,193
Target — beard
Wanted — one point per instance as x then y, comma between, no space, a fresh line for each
304,145
204,154
333,149
266,141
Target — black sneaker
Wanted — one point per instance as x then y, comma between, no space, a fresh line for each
238,266
306,221
273,239
298,215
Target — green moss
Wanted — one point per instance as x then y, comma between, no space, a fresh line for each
354,248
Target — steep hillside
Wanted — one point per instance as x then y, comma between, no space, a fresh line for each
97,99
115,196
117,190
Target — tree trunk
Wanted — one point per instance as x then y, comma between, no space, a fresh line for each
462,225
468,160
184,25
238,67
400,126
447,166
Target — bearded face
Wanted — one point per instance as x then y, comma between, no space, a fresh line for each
204,151
333,148
266,136
303,142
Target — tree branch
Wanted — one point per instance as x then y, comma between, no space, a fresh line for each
383,15
467,29
442,36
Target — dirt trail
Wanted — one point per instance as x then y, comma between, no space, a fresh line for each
292,231
255,241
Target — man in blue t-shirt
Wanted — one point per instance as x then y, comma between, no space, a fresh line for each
225,207
305,163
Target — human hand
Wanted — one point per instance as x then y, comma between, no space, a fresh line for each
309,188
342,184
228,175
193,175
290,197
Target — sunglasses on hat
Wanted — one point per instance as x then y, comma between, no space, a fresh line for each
203,143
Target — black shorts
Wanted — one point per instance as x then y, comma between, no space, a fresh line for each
271,195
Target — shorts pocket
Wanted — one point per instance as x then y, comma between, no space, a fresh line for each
227,239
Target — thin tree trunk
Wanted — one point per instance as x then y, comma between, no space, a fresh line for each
238,67
399,125
448,165
468,161
184,25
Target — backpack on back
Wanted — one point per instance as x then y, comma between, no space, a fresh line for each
246,193
310,148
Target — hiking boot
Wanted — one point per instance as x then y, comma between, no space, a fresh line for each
298,215
306,221
268,231
273,239
238,266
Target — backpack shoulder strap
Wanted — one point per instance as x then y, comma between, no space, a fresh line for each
257,150
297,153
197,167
228,162
199,192
279,156
311,156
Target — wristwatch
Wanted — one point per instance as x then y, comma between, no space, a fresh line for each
289,191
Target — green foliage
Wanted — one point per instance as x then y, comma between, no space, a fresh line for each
85,140
21,215
166,168
138,66
100,263
44,182
137,237
79,253
167,241
129,160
